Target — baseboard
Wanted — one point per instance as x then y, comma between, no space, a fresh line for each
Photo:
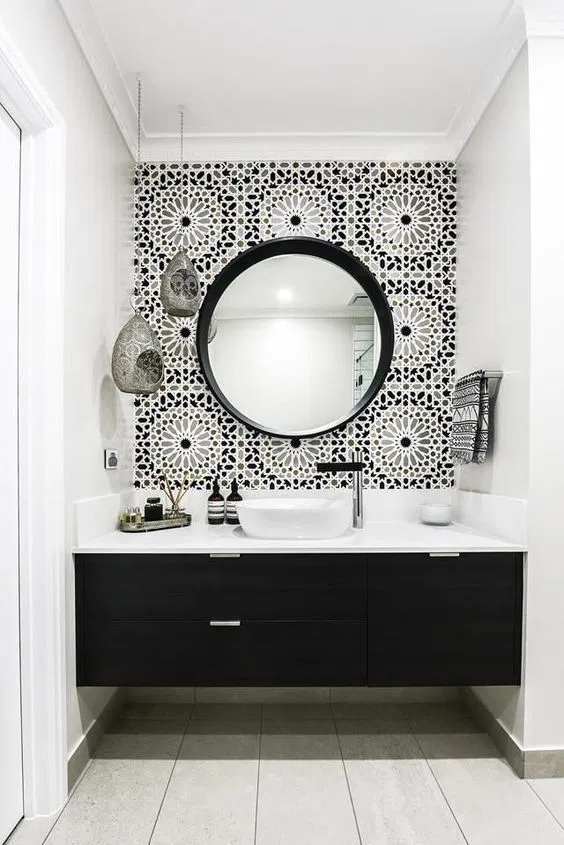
292,695
500,737
527,763
84,751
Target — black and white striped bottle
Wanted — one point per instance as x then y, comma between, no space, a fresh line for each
216,506
231,515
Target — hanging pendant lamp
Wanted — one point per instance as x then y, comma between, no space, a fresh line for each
181,292
137,361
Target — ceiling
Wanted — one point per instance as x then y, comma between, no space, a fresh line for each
362,75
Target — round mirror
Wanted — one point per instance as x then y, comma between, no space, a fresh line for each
304,337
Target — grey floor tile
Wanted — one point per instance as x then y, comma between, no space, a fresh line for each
214,737
369,727
119,797
289,739
393,695
211,798
147,727
226,712
303,793
138,739
263,695
32,831
435,710
148,710
296,711
551,793
395,795
492,805
441,718
159,695
367,711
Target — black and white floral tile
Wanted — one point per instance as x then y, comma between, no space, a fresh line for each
399,219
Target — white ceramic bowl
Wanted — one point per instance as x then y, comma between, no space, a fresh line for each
435,514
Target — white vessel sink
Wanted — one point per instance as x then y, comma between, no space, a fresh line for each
294,519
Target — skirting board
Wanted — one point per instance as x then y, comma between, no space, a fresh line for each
527,763
86,748
292,695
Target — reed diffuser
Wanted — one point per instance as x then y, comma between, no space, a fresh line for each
175,498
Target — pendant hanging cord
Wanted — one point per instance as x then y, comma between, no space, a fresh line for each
136,268
138,118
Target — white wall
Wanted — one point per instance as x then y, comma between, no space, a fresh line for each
493,289
529,456
493,276
544,701
97,254
292,373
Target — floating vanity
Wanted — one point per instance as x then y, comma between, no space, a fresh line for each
295,339
396,604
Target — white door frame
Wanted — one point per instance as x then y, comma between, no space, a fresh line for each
42,501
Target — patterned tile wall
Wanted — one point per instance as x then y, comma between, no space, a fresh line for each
399,219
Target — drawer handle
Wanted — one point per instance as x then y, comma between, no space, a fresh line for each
225,554
225,623
444,554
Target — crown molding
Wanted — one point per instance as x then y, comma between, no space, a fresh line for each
504,46
92,41
348,146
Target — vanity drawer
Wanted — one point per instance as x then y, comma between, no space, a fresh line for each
192,587
451,621
195,653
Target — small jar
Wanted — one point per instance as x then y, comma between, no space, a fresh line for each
435,513
153,509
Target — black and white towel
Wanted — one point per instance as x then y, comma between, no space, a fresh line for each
470,419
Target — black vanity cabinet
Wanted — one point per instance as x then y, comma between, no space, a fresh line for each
444,619
181,619
295,619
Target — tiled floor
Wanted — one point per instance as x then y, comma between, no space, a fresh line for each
307,774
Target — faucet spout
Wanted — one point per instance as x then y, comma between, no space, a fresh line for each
355,466
358,499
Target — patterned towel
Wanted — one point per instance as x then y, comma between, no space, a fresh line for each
470,416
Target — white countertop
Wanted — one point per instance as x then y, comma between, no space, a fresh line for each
374,537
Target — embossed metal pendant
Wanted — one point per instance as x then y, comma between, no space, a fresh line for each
137,361
181,293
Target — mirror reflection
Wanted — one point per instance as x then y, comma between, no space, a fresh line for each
297,343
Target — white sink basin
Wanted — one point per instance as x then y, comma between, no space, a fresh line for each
294,519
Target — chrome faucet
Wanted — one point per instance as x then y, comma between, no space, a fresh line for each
355,465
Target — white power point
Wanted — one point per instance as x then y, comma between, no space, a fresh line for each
110,459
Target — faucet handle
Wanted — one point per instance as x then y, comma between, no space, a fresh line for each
340,466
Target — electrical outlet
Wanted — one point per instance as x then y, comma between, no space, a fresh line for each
110,459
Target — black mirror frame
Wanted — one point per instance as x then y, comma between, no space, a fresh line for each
298,246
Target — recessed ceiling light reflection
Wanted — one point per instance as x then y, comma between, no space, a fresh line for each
285,295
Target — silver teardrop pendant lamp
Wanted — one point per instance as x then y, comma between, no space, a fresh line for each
137,360
181,292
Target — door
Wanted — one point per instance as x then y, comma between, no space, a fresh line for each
11,789
447,621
